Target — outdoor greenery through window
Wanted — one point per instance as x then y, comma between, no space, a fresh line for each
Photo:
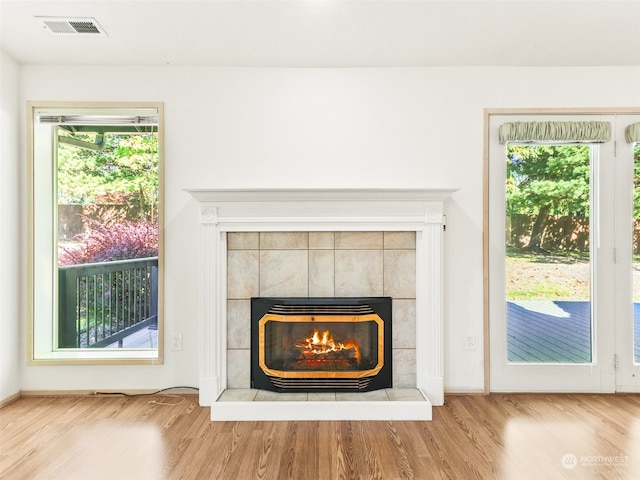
548,239
97,189
107,214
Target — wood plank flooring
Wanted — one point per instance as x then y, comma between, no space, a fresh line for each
498,436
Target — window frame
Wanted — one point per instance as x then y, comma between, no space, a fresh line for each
41,242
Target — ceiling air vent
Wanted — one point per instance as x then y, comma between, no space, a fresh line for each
73,26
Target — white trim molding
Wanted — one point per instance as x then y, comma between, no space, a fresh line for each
282,210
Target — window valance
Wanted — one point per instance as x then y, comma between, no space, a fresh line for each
632,133
587,132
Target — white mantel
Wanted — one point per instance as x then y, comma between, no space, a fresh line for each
282,210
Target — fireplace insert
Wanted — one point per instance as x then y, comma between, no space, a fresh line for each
321,344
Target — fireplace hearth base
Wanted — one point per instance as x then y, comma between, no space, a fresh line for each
260,405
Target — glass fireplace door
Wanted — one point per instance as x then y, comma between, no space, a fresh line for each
321,346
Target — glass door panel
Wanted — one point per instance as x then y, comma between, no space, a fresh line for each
548,259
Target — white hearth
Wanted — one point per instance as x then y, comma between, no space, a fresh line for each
321,210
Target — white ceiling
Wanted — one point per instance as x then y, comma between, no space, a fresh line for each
330,33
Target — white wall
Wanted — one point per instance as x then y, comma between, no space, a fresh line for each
400,127
12,275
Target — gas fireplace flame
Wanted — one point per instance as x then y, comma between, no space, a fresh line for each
320,344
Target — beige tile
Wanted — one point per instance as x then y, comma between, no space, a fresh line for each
238,395
400,240
243,240
238,324
243,274
284,273
321,240
404,368
286,268
267,396
284,240
321,273
359,240
375,395
404,323
400,273
359,273
405,394
238,368
321,396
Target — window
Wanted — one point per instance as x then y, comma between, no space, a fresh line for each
95,231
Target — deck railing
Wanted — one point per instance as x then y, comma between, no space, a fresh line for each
102,303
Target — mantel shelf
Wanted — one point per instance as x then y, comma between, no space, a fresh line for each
321,194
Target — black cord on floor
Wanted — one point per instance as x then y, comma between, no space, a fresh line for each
145,394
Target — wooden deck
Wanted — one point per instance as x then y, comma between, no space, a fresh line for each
548,331
145,338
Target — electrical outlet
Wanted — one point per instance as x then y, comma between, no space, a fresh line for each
176,341
470,341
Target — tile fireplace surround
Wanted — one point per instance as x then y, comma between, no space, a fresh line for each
340,211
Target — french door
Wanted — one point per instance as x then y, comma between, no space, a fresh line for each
561,257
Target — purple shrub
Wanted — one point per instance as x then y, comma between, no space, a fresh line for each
109,241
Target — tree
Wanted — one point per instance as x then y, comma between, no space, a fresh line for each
124,171
115,178
545,181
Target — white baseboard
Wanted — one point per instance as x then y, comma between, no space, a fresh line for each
464,391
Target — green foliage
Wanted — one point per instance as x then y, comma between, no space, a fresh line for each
125,171
553,176
552,276
542,290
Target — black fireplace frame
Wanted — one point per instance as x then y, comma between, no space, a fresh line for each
318,306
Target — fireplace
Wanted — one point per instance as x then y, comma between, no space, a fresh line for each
223,211
321,344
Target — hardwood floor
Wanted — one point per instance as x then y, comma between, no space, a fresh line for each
499,436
